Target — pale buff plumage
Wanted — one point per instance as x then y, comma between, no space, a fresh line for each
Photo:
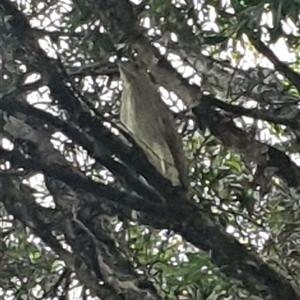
152,124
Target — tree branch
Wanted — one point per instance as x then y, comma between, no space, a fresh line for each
279,65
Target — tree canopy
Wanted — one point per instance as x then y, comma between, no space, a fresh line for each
86,214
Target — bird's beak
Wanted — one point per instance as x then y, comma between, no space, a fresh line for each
128,69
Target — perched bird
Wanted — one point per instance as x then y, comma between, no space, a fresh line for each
151,124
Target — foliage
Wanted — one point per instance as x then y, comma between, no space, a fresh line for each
83,212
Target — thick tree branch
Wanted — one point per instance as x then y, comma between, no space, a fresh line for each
293,77
149,56
191,224
198,227
119,277
224,129
21,205
254,113
101,146
56,77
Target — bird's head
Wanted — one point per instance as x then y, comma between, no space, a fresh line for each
129,71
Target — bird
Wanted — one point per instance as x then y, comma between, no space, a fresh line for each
151,123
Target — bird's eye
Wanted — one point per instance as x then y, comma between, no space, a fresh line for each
134,54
